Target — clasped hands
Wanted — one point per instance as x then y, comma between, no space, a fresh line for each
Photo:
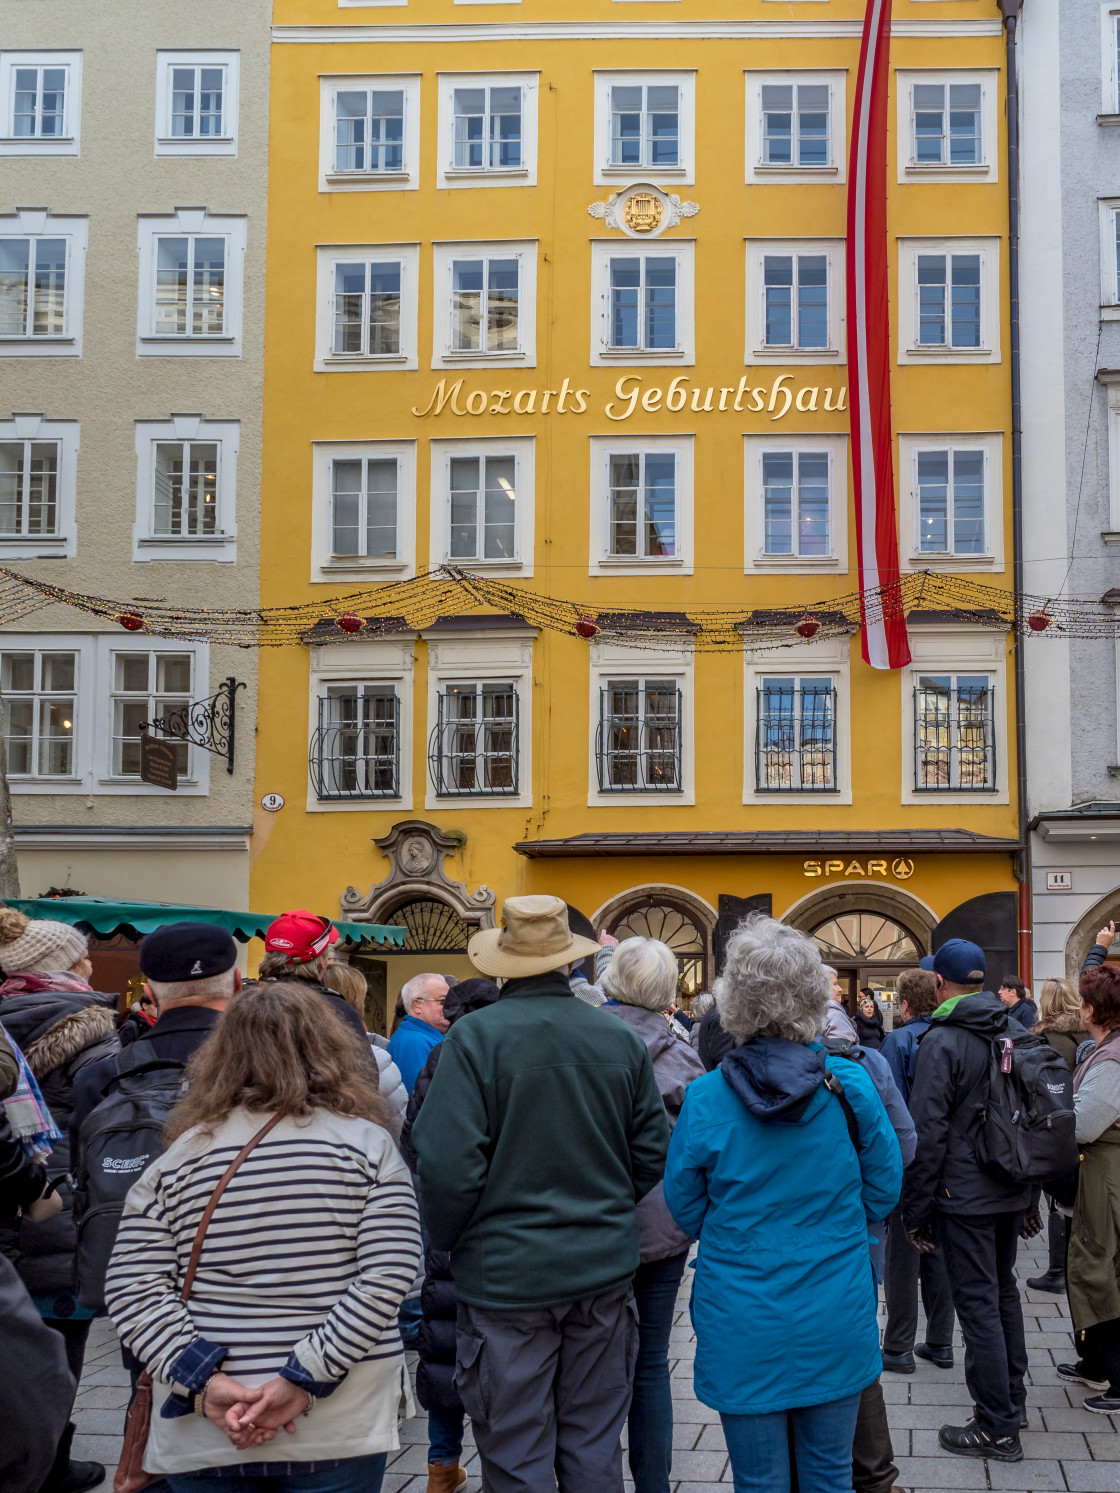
250,1417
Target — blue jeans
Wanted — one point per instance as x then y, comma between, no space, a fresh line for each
355,1475
822,1437
445,1436
651,1410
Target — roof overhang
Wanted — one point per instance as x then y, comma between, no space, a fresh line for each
762,842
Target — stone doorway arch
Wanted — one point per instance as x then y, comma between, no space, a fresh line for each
1083,934
672,914
416,851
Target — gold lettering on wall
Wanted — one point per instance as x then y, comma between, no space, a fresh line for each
774,399
902,868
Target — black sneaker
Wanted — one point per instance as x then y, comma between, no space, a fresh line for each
899,1363
80,1476
941,1358
1103,1404
1074,1373
974,1441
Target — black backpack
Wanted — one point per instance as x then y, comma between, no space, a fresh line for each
1019,1118
117,1141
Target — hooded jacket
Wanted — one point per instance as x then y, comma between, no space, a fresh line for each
901,1051
952,1068
542,1129
763,1171
675,1065
59,1032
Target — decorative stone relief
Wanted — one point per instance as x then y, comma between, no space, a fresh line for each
416,851
642,210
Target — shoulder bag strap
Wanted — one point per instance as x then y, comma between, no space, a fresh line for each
215,1197
836,1088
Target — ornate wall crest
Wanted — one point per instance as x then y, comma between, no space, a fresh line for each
642,210
416,852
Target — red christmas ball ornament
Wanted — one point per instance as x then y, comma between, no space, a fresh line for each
586,627
350,622
808,627
1039,621
131,621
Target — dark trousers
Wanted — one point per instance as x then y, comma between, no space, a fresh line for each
651,1411
74,1333
547,1390
906,1272
980,1258
1099,1352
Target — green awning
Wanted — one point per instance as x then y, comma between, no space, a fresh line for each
103,916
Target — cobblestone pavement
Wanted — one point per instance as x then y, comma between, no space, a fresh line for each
1066,1447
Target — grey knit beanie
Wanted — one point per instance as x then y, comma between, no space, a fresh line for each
37,945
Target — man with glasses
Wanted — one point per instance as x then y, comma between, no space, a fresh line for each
422,1026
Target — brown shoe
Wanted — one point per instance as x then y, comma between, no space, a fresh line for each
445,1477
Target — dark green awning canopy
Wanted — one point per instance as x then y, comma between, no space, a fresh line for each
103,916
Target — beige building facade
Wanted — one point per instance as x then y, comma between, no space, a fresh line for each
133,150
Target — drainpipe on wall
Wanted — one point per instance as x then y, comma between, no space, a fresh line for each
1010,10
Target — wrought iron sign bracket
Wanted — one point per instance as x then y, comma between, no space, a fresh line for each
210,724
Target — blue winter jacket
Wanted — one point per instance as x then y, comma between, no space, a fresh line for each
900,1048
762,1170
410,1045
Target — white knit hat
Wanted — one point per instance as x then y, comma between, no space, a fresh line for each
37,945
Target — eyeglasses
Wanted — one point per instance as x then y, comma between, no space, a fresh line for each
433,1000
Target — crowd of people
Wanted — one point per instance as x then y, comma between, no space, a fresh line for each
271,1203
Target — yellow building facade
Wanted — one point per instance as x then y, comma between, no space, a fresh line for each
555,294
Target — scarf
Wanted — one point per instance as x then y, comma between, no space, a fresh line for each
27,983
27,1113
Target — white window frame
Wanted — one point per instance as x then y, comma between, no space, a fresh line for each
36,696
444,255
755,561
221,546
329,255
37,223
955,649
1110,64
908,168
325,565
909,444
624,443
613,661
758,250
93,775
828,658
1111,382
66,435
909,250
482,654
603,355
684,79
67,144
407,180
520,447
450,175
1109,209
224,144
191,222
758,170
389,661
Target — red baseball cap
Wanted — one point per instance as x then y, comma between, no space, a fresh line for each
300,936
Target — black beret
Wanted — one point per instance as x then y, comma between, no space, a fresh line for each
187,951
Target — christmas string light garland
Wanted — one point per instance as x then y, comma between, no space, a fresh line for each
450,591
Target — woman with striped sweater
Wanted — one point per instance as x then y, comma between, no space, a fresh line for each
291,1323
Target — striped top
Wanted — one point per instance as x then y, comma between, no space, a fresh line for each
310,1251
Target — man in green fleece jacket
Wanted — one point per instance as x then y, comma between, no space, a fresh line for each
542,1129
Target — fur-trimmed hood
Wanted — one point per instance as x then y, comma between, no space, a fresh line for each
52,1028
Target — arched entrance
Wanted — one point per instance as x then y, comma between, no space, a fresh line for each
674,917
868,950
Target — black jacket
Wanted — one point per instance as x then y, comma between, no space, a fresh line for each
953,1062
36,1389
175,1037
1024,1012
713,1043
60,1032
870,1030
415,1100
21,1179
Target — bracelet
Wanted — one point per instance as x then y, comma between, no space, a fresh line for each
200,1397
307,1409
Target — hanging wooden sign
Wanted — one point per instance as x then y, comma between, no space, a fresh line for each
159,762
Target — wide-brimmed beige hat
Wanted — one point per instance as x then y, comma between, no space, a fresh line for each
534,938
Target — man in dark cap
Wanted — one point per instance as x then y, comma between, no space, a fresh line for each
192,975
